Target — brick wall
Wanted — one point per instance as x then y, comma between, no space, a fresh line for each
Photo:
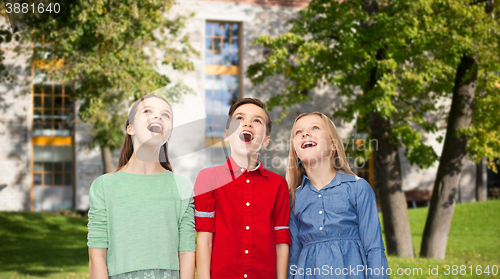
15,119
15,131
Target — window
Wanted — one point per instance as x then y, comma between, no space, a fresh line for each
220,92
52,176
52,139
52,110
222,83
222,44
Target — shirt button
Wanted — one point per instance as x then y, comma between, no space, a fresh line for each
247,227
248,180
319,196
244,275
242,170
246,251
320,228
248,204
320,212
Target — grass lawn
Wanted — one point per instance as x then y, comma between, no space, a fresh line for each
474,239
43,245
54,246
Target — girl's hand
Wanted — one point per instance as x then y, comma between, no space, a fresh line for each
186,265
97,263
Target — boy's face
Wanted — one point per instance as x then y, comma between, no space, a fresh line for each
247,130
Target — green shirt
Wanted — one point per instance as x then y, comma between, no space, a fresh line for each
141,220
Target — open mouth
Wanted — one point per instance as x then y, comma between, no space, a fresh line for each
155,128
246,136
308,144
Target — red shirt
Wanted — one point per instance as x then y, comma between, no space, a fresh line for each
248,213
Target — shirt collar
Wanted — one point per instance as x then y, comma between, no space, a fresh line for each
340,177
234,167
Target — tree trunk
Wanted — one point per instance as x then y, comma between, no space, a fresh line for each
481,179
452,159
388,168
392,198
107,159
389,180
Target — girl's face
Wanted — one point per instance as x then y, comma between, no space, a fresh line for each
311,140
152,123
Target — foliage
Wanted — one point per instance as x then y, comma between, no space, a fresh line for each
484,133
415,46
6,37
111,49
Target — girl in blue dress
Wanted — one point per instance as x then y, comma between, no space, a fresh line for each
334,220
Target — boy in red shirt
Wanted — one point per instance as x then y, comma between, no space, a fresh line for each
242,209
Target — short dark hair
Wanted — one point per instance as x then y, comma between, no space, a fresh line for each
252,101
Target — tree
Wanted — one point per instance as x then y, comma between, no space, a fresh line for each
395,51
481,180
476,47
110,48
344,44
6,37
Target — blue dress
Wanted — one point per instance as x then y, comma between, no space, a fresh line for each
336,231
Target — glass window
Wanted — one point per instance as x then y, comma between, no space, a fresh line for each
47,193
47,205
58,205
56,116
58,179
220,92
68,204
68,193
52,138
58,193
53,112
37,192
37,179
222,83
52,177
222,44
37,206
216,155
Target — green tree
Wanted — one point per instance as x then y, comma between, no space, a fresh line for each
470,30
394,51
6,37
110,49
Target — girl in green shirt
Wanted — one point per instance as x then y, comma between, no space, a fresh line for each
140,226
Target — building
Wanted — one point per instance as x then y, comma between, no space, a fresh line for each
45,163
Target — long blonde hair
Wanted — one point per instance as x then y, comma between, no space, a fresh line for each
295,171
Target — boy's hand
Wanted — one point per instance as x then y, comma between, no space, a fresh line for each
204,254
282,260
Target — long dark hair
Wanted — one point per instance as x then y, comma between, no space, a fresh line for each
128,146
